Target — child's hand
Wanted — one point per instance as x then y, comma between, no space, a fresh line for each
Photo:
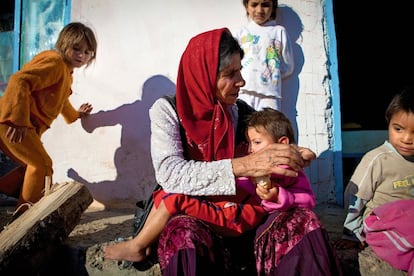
268,194
85,109
16,134
263,181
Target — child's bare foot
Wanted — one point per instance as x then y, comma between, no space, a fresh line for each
127,251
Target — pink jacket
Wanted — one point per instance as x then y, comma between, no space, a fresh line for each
389,231
293,192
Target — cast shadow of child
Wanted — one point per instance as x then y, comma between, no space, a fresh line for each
132,159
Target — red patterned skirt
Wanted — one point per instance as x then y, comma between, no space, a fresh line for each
288,243
294,242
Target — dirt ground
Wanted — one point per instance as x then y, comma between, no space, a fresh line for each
99,227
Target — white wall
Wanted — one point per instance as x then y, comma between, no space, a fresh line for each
139,47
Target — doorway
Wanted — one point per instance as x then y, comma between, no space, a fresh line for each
374,61
26,28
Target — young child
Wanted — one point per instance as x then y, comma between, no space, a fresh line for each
278,193
384,175
34,97
230,217
268,55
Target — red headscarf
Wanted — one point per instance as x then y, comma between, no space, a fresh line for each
208,126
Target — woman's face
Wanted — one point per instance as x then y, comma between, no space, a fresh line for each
229,81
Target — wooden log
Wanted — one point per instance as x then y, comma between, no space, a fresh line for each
29,242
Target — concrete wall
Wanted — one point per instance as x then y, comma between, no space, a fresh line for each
140,45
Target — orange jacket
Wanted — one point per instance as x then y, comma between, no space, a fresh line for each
38,93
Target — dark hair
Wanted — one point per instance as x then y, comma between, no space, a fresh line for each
274,122
228,47
71,36
404,101
275,4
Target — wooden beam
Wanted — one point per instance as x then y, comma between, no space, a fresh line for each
29,242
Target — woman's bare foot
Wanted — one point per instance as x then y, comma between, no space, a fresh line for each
127,251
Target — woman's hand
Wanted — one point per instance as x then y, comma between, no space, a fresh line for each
266,161
85,109
307,155
16,134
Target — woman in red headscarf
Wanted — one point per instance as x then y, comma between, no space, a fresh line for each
199,149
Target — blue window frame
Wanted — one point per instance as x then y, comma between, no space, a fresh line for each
28,27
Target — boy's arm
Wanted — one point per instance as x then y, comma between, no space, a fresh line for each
353,224
352,232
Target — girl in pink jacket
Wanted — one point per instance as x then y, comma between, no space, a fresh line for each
278,193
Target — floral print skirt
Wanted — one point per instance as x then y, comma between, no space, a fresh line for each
293,242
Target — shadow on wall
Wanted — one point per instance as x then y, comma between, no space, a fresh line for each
132,159
288,18
324,192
